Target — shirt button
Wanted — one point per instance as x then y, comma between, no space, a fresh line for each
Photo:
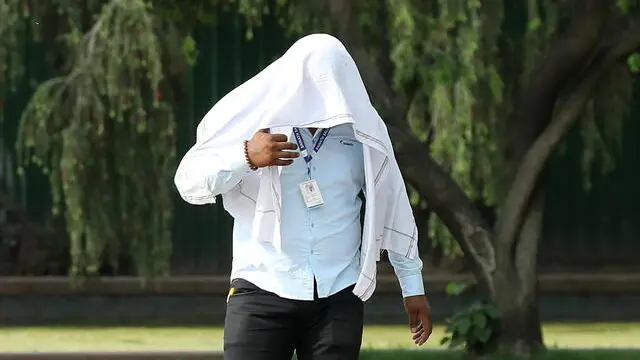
312,252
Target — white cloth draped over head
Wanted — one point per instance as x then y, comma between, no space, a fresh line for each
316,84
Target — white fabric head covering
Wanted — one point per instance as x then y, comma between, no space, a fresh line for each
315,83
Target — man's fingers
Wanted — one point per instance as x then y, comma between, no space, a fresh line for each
423,339
417,335
280,162
279,137
425,323
419,329
286,155
286,146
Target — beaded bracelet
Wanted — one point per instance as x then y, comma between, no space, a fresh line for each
246,156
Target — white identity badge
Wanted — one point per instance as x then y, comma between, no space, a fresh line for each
311,194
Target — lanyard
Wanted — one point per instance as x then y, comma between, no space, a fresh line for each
303,147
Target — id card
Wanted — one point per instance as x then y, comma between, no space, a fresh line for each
311,194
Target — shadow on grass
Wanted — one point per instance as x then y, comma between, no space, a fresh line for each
548,355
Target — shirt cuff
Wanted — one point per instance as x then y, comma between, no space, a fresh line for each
411,285
237,160
409,273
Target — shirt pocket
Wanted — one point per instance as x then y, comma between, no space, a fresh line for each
351,155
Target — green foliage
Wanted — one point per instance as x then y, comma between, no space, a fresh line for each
603,123
604,116
457,289
190,50
473,327
295,16
104,133
461,90
634,63
186,13
625,5
14,28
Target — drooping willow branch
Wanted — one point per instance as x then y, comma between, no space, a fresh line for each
106,138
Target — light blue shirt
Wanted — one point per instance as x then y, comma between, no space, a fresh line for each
321,243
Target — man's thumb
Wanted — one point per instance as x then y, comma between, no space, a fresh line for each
266,131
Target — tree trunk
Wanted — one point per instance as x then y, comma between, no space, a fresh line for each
431,253
520,332
519,227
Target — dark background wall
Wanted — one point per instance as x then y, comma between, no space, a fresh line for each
201,300
180,310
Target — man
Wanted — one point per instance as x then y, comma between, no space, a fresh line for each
302,262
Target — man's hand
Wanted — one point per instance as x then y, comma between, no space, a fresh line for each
266,149
419,313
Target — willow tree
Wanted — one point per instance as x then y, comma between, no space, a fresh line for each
476,103
103,128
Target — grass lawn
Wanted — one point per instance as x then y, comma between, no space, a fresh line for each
209,338
551,355
556,335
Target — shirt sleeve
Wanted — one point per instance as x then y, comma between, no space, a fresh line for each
207,171
409,273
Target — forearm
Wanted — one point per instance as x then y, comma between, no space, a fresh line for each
206,172
409,273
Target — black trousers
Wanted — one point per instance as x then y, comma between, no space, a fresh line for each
260,325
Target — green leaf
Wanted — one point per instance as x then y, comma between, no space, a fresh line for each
445,340
480,320
190,50
535,24
634,63
455,289
463,326
483,334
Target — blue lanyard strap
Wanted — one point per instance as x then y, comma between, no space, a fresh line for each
303,147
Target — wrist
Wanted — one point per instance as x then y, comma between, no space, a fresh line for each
252,166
